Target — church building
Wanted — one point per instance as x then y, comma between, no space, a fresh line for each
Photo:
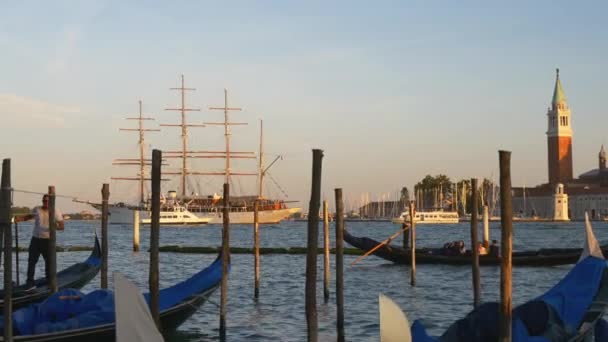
564,197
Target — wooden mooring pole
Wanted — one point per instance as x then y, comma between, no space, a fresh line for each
5,222
486,227
413,242
225,260
52,241
339,222
256,249
105,195
135,230
17,268
313,240
474,248
506,219
326,274
153,279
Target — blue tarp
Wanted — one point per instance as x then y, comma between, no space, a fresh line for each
71,309
556,313
66,309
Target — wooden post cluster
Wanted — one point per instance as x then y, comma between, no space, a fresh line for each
154,238
225,260
135,230
506,220
413,242
339,222
105,195
474,249
313,240
52,241
5,223
256,249
326,275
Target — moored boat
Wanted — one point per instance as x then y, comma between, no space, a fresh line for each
541,257
569,311
75,276
70,321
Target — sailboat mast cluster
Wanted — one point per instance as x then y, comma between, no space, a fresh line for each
193,208
142,162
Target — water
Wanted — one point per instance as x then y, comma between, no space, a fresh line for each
443,292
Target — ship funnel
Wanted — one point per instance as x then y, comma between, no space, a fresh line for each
172,194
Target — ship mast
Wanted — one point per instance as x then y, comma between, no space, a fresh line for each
184,153
227,153
141,161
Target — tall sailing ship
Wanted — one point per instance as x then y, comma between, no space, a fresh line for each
208,209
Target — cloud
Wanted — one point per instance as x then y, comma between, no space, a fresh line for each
25,111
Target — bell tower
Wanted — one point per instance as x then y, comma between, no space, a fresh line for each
559,136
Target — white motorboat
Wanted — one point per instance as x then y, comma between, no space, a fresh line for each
428,217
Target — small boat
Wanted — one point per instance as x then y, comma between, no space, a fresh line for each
69,315
567,312
177,215
428,217
541,257
75,276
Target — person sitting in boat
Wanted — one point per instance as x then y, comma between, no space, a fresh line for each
461,249
494,251
481,249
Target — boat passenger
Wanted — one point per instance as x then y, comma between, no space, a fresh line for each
482,250
461,249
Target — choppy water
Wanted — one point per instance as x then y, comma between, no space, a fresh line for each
443,292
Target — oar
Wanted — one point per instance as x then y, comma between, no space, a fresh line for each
378,246
17,250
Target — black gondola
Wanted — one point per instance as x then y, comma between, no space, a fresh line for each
541,257
75,276
177,303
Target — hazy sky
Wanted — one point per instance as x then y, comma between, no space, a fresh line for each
391,91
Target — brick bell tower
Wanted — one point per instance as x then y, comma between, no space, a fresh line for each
559,136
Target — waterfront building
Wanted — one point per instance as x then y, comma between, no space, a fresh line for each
564,197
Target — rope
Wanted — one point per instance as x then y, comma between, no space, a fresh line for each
277,184
43,193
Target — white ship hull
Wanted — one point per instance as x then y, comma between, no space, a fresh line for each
124,215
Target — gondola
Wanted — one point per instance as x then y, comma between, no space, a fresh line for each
569,311
75,276
566,312
541,257
177,304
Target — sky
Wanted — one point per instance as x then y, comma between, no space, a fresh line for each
390,90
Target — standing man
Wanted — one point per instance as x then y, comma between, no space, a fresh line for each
40,238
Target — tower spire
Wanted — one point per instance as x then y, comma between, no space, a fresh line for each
558,92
